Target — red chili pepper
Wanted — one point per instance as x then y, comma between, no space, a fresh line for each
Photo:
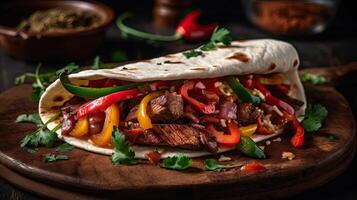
205,109
191,30
188,29
271,100
102,103
298,138
253,167
228,140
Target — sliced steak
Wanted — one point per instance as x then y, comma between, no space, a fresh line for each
176,135
163,109
247,113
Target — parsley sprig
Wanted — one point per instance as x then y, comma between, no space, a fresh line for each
177,162
219,36
65,147
316,79
42,136
42,80
213,165
314,115
123,154
52,157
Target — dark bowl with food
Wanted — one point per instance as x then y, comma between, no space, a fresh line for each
53,30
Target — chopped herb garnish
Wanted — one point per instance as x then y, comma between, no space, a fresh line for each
219,35
31,150
177,162
30,118
52,157
313,78
213,165
41,81
123,154
69,69
65,147
42,136
192,53
314,115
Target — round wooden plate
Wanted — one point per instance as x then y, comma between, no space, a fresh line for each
92,176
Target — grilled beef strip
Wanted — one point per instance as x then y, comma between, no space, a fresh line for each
163,109
247,113
175,135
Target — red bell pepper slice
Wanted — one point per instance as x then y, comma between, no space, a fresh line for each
228,140
205,109
271,100
298,138
253,167
103,103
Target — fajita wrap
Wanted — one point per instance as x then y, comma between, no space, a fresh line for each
258,57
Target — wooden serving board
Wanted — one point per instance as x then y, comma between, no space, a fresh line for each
92,176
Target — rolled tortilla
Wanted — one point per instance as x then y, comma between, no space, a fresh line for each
262,56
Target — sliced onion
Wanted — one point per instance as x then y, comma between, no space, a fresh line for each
228,110
200,85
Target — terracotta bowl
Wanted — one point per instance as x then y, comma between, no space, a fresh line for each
64,46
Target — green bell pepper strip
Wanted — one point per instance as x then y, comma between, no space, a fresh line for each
243,93
93,93
249,148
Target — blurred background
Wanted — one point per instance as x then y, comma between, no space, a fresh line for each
323,31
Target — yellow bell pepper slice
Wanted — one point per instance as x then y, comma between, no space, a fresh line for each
112,117
274,79
142,115
248,130
81,128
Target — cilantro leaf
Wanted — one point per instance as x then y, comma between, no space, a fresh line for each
219,35
41,137
119,56
32,118
69,69
313,78
21,79
31,150
213,165
52,157
208,46
123,154
177,162
65,147
314,115
192,53
37,91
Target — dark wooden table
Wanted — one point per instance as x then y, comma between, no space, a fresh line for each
336,46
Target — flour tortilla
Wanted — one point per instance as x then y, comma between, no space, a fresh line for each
262,56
